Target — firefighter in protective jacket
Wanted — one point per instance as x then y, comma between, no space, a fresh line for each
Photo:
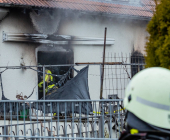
48,81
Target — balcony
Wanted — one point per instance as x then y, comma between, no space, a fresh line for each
61,119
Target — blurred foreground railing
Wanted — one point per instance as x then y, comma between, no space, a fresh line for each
61,119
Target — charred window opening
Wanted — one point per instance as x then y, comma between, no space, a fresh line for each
54,58
137,62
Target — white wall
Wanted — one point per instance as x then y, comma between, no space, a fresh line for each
11,54
128,35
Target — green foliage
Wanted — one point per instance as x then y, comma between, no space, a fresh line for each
158,45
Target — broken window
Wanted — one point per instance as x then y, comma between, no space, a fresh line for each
54,58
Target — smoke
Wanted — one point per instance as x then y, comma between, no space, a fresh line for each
48,48
46,22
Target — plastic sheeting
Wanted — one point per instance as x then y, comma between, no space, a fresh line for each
74,89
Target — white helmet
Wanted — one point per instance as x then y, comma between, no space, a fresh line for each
148,96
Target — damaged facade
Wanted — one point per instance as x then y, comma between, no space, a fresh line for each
69,32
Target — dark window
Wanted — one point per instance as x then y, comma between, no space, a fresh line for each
137,62
54,58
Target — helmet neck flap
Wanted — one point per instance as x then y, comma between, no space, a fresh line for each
145,130
136,123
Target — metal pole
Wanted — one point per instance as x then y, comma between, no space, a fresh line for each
1,85
99,63
101,121
102,77
118,109
44,99
44,82
63,65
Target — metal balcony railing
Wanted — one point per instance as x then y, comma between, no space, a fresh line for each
61,119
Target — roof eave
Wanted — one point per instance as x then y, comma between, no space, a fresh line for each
117,15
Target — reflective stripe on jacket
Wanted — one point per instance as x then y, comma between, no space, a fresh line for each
49,87
48,78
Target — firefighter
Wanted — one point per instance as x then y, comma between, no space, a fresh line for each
48,81
147,101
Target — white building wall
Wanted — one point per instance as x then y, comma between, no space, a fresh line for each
12,54
128,35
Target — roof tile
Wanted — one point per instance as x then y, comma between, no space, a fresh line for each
90,6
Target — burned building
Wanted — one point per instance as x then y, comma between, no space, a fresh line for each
47,32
